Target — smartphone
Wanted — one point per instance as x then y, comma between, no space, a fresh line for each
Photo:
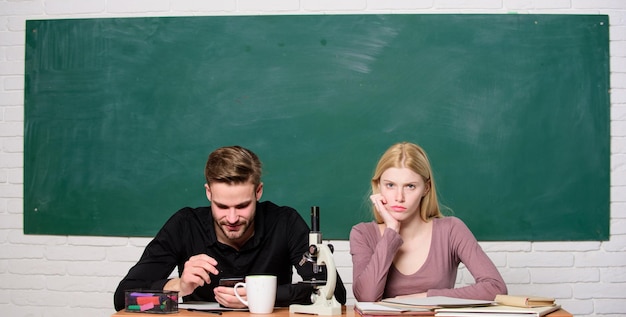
230,281
313,282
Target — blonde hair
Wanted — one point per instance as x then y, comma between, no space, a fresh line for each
413,157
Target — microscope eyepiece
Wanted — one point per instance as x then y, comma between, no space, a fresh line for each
315,219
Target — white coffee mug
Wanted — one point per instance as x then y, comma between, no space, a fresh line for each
261,293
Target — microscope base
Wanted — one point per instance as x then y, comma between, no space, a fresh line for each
320,307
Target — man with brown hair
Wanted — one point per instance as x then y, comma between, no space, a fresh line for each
236,236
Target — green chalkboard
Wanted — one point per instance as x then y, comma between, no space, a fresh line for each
121,113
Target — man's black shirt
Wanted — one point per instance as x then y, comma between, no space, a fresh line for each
280,239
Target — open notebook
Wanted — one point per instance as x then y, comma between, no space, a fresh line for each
435,301
376,309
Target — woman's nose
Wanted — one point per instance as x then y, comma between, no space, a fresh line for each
399,195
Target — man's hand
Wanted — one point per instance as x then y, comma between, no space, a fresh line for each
226,296
195,273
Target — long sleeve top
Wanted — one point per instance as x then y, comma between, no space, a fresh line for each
375,277
280,239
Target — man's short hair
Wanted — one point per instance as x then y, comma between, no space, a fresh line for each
233,165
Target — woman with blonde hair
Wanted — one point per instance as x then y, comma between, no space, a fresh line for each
411,249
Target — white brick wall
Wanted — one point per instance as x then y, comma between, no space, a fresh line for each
76,276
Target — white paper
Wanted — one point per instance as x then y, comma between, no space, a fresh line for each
441,301
373,307
370,306
497,310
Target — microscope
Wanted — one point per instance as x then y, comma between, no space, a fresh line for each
321,255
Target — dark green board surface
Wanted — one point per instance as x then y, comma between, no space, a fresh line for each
120,115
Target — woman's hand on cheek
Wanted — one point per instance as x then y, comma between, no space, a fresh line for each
380,203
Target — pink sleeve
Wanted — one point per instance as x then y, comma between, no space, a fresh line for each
488,281
371,259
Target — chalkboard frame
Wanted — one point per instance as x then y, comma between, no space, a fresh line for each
120,114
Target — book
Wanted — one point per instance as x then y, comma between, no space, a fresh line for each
435,302
524,301
373,309
207,306
496,311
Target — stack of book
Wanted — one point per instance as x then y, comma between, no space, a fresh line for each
524,301
414,306
503,306
370,309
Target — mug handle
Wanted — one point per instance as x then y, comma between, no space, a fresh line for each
240,284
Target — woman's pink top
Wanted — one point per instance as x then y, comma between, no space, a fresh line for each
375,277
